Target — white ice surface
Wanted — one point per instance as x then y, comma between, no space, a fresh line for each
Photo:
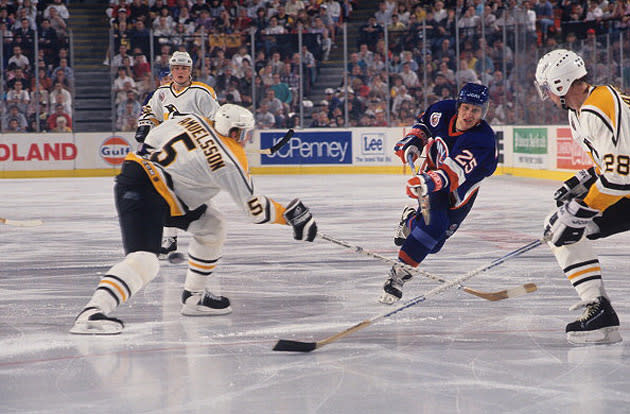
453,353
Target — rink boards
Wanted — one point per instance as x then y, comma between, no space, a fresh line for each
531,151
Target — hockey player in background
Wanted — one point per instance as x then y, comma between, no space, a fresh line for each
595,203
456,150
174,186
181,96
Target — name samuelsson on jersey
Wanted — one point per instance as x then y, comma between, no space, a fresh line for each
204,141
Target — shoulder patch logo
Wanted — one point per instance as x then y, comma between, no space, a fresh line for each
435,119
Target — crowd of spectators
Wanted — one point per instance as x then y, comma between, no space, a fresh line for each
218,34
432,49
37,89
497,42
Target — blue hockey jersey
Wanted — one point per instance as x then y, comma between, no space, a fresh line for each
465,157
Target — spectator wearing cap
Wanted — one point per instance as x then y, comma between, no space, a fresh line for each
591,47
355,107
331,100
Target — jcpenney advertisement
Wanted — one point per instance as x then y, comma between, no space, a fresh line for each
326,147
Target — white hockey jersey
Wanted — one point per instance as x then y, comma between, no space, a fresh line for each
198,98
602,127
194,163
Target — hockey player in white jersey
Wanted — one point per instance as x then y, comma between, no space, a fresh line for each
174,186
179,97
595,203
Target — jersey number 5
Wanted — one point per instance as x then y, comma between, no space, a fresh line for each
168,153
467,160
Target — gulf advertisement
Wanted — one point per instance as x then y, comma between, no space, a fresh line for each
53,154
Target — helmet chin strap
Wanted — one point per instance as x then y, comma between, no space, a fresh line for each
563,102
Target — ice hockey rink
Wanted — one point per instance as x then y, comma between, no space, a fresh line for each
453,353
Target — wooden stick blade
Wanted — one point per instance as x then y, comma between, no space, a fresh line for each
503,294
21,223
294,346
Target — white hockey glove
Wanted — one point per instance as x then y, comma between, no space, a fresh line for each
299,216
576,186
568,224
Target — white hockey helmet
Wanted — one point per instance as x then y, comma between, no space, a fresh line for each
557,70
230,116
181,59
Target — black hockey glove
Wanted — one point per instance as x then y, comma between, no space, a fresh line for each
575,187
299,216
142,132
568,224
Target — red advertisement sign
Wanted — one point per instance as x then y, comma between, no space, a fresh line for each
570,155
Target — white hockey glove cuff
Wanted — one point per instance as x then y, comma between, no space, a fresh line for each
576,186
568,224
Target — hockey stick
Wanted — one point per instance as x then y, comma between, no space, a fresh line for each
491,296
21,223
277,145
298,346
423,199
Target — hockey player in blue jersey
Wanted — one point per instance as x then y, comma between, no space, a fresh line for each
456,150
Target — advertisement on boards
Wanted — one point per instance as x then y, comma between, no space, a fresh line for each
309,148
373,148
530,147
570,156
38,152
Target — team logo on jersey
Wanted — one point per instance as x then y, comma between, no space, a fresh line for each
435,119
439,151
114,150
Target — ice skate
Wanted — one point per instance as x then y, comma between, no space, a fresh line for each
92,321
598,324
204,304
392,290
169,245
403,230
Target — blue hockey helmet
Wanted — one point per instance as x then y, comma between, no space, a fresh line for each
474,94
